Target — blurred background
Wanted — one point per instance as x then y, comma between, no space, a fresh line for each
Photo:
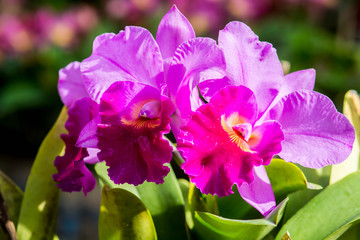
37,38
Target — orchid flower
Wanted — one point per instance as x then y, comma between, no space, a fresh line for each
137,81
259,114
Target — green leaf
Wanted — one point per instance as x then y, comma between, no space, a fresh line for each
124,216
351,164
185,186
285,178
166,204
12,195
210,226
164,201
329,214
38,213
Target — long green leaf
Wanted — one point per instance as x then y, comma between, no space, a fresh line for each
328,214
164,201
285,178
12,195
123,216
210,226
39,207
351,164
166,204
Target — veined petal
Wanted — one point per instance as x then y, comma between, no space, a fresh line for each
266,140
215,158
313,127
173,30
251,63
70,86
195,61
300,80
259,193
134,156
130,55
72,173
132,145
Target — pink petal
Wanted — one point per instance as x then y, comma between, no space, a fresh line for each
72,173
251,63
87,137
131,55
266,140
133,152
259,193
187,70
70,86
300,80
173,30
212,160
316,134
133,156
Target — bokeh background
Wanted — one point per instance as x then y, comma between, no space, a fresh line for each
37,38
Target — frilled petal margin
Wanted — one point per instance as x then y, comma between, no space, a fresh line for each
137,58
216,156
132,145
316,134
187,70
251,63
72,174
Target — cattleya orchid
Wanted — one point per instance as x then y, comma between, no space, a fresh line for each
124,80
229,106
259,114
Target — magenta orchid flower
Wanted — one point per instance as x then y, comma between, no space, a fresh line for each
261,113
72,174
136,79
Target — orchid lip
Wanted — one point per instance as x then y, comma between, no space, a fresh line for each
244,130
151,110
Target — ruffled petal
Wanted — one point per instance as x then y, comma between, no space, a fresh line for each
72,173
195,61
251,63
266,140
173,30
259,193
70,86
316,134
213,160
131,55
133,147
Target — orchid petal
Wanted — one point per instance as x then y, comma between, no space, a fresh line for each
195,61
72,173
266,140
173,30
137,58
313,127
251,63
133,147
70,86
213,160
259,193
87,137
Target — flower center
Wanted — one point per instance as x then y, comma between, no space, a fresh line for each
244,130
151,110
